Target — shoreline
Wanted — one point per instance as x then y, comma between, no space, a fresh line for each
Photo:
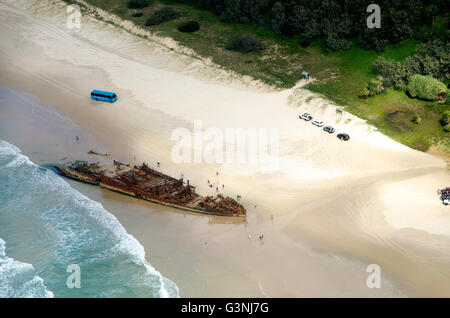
321,188
124,208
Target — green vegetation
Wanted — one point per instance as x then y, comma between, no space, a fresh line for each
336,21
445,120
431,58
375,87
416,119
340,76
162,15
245,44
426,87
138,4
190,26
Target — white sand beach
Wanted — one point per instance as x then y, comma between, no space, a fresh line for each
330,210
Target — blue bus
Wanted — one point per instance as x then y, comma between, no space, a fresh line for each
104,96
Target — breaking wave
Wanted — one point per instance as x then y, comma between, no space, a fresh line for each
48,225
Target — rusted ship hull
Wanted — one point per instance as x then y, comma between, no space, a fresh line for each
78,175
150,185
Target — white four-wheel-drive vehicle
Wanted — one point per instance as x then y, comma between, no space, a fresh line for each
318,123
305,116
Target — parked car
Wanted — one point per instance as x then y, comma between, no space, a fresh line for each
318,123
446,201
306,116
343,136
445,196
329,129
444,191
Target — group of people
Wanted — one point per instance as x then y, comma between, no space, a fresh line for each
213,184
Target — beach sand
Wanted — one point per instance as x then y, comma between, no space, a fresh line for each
331,209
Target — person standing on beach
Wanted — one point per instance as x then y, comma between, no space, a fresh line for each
78,140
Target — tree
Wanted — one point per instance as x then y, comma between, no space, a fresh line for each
231,12
345,19
278,18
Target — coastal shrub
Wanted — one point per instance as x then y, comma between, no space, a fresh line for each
432,58
334,43
305,42
416,119
447,98
245,44
137,14
447,128
426,88
375,87
190,26
138,4
364,93
162,15
389,70
445,119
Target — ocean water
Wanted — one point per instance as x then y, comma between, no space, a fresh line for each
45,226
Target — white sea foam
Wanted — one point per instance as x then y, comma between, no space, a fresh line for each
67,228
17,279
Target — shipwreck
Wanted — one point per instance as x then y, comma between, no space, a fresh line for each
148,184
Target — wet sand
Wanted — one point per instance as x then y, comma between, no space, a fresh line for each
325,215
